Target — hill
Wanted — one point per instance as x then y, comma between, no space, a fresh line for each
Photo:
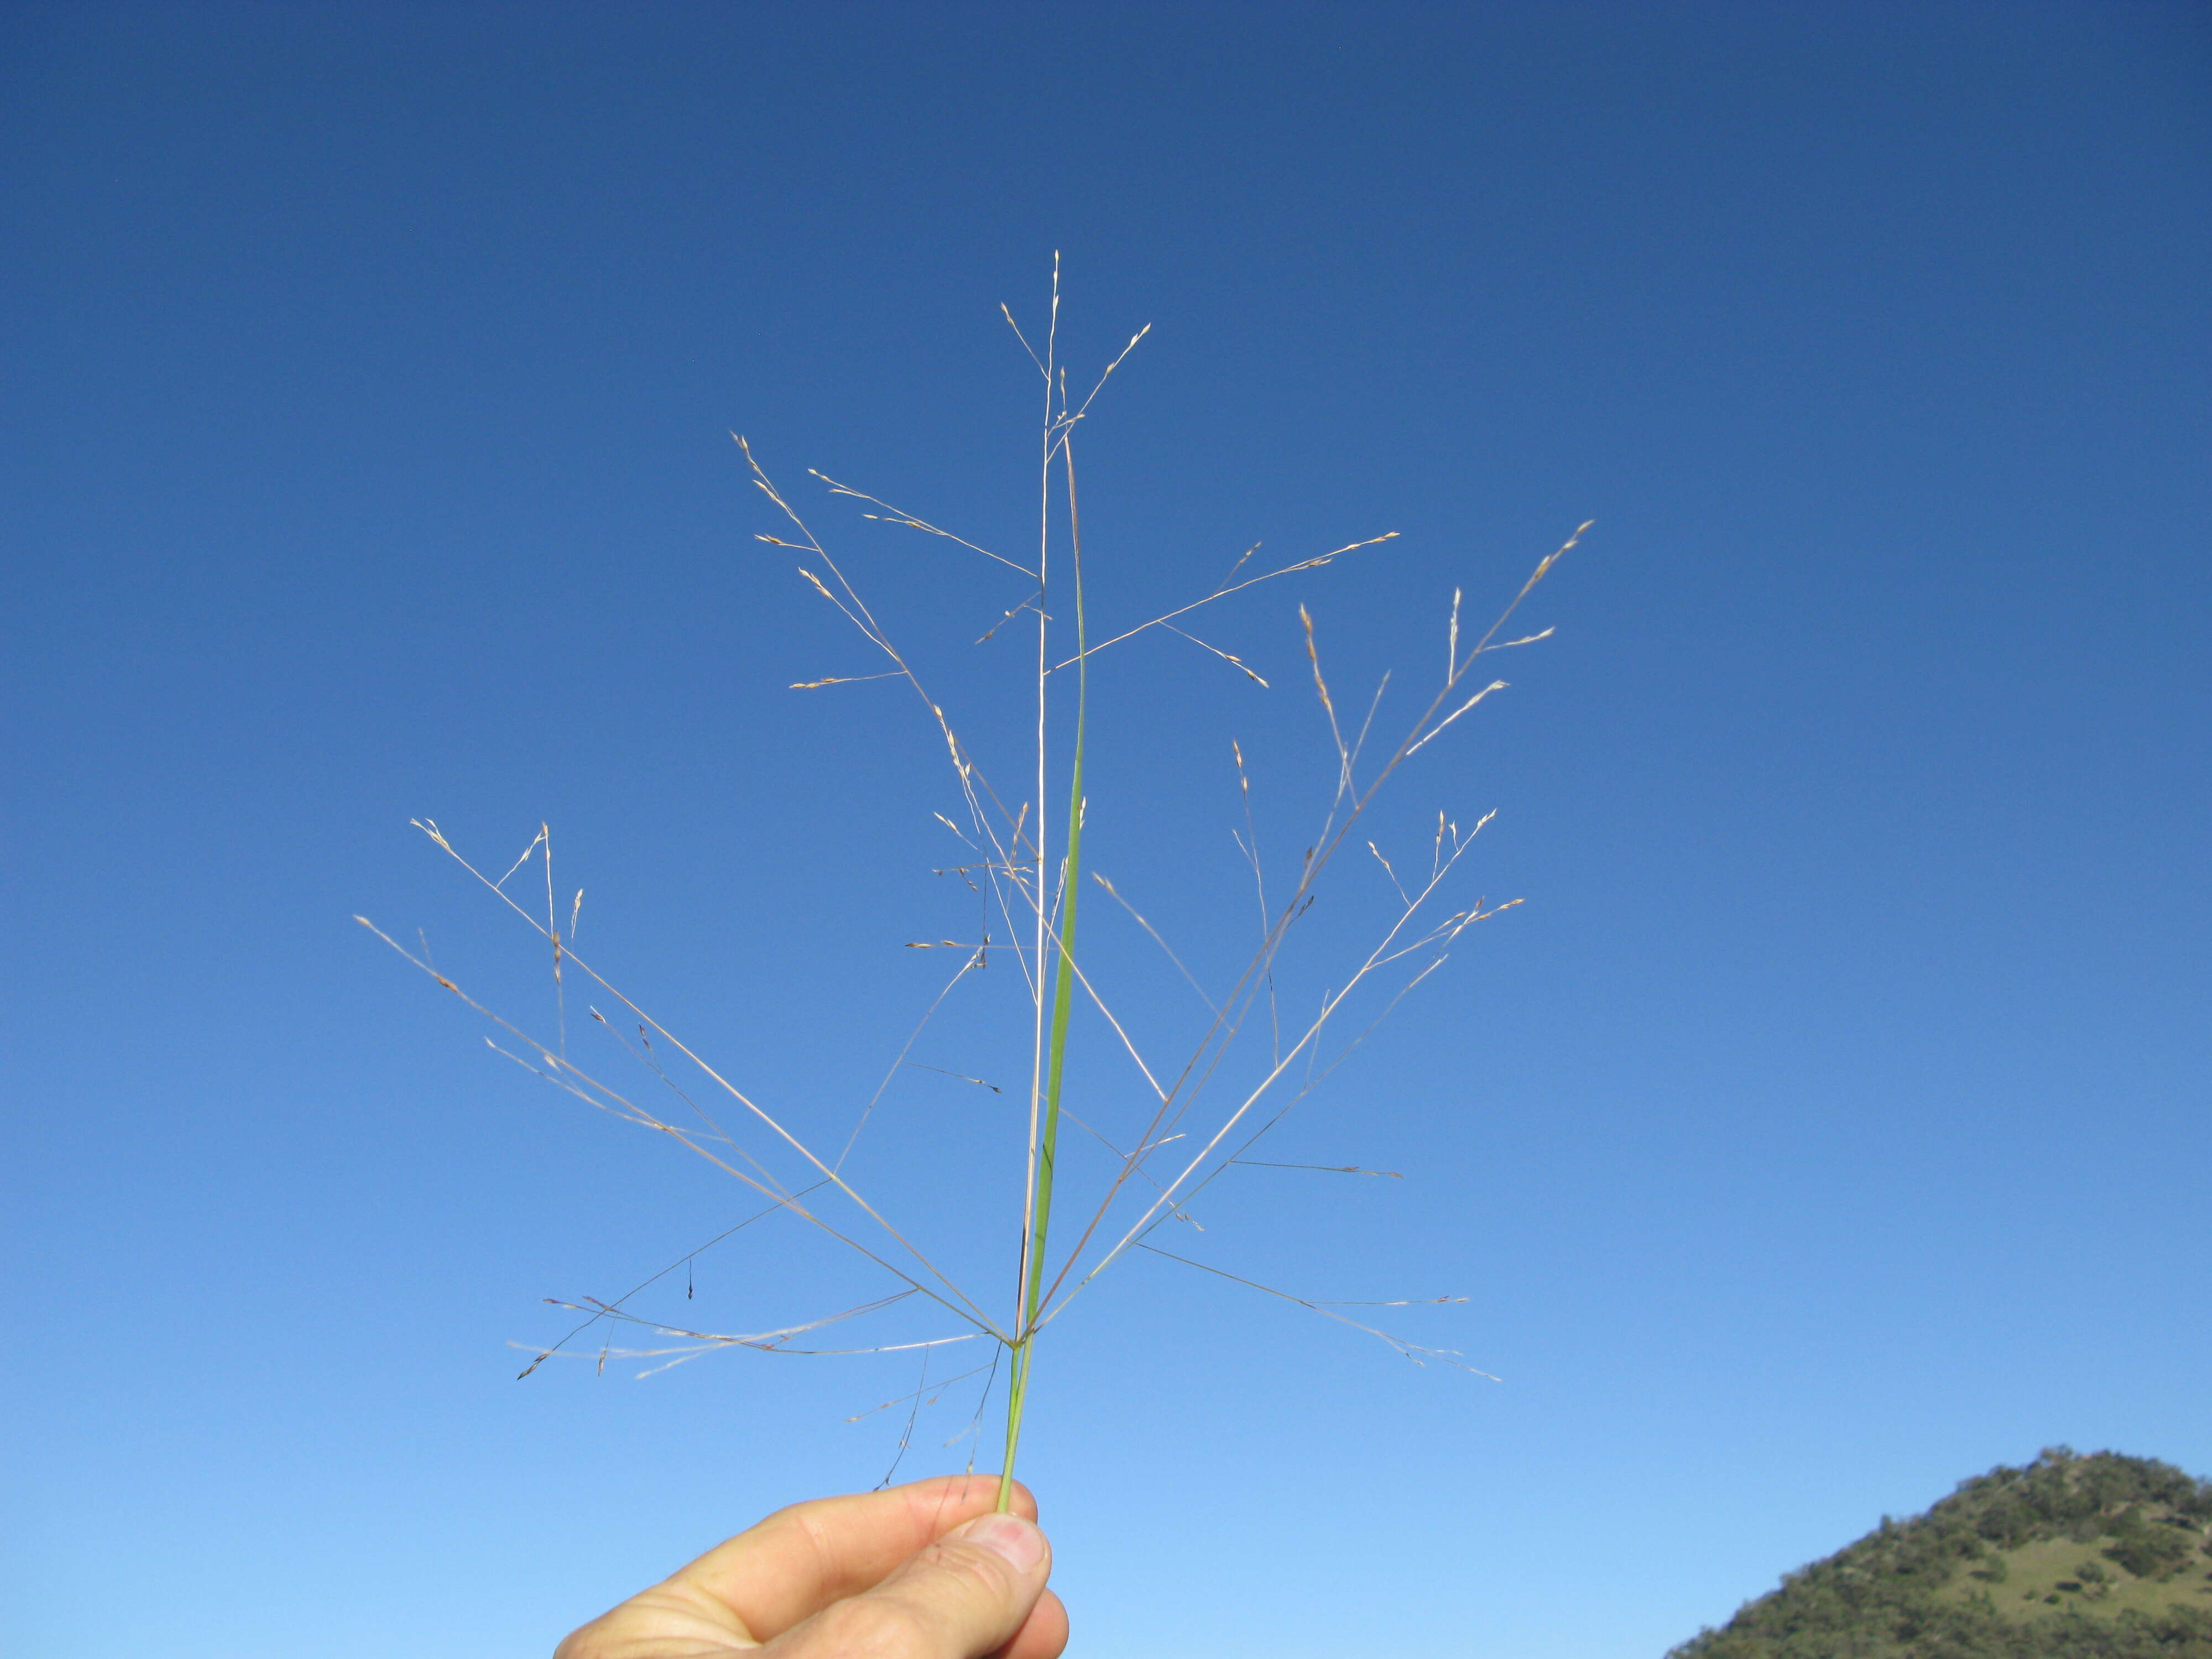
2101,1557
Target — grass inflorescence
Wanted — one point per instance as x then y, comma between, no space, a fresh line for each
1035,896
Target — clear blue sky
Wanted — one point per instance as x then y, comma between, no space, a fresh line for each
1829,1124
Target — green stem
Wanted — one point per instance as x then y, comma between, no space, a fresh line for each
1063,999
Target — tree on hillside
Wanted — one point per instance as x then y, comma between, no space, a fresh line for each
1885,1597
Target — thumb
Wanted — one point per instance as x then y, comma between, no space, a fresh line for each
962,1597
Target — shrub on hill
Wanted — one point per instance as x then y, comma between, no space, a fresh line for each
1898,1593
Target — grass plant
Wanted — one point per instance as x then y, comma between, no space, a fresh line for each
1212,1113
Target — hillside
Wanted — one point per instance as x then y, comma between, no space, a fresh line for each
2100,1557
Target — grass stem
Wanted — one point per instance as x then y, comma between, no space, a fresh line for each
1063,999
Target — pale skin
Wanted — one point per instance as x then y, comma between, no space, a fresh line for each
920,1571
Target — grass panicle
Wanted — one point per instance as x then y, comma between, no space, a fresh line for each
1202,1117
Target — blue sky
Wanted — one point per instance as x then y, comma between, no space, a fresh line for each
1827,1125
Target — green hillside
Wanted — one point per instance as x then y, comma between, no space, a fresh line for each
2101,1557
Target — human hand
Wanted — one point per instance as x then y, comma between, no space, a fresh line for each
921,1571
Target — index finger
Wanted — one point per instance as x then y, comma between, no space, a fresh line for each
800,1560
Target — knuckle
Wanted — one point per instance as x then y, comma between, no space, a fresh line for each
806,1523
871,1628
980,1576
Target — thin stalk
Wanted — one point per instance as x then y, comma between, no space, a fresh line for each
1016,1343
1063,998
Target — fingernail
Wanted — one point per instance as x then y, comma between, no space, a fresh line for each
1008,1536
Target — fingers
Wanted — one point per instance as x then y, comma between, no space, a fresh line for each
801,1559
1044,1634
977,1591
921,1571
